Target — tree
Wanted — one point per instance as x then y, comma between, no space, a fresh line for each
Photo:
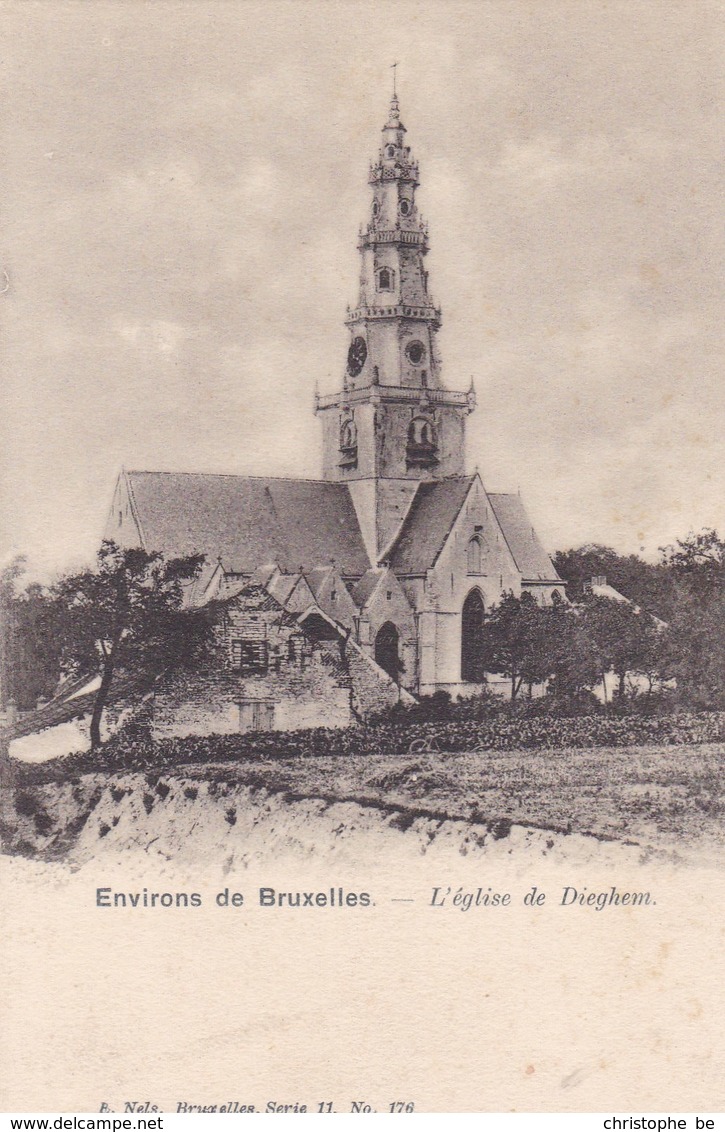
574,662
29,656
625,638
513,641
649,585
697,632
127,615
698,564
697,648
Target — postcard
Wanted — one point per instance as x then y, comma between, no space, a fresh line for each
362,711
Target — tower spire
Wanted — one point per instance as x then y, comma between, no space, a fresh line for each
393,421
394,115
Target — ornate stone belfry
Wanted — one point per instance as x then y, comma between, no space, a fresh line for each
393,424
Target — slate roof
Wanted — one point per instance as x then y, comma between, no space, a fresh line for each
364,589
281,587
316,579
246,520
68,705
435,509
614,595
428,523
529,555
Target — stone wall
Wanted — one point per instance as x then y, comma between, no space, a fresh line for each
304,681
389,603
372,689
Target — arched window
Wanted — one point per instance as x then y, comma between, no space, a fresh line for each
421,432
472,619
473,556
421,450
386,279
348,444
386,650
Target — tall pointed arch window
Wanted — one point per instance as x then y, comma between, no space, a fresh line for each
474,554
472,628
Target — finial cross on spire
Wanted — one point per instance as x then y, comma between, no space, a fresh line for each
394,69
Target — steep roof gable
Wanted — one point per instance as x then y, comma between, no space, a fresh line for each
428,523
531,559
364,589
247,520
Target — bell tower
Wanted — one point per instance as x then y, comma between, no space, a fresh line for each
393,423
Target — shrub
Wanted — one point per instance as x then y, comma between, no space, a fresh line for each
527,728
25,805
43,822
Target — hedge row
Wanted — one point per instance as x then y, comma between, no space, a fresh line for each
133,749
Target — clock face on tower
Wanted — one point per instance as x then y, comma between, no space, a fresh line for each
356,356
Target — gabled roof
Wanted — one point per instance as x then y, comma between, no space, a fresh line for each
74,702
529,555
246,520
317,578
434,510
366,587
428,523
605,590
281,586
264,573
204,586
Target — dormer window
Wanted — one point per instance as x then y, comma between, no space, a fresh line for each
386,279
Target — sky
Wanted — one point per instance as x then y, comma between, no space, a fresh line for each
183,187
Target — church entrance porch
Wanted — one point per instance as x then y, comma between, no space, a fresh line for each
387,653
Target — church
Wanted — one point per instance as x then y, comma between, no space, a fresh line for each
395,552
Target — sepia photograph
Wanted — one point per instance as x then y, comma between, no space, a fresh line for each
362,655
